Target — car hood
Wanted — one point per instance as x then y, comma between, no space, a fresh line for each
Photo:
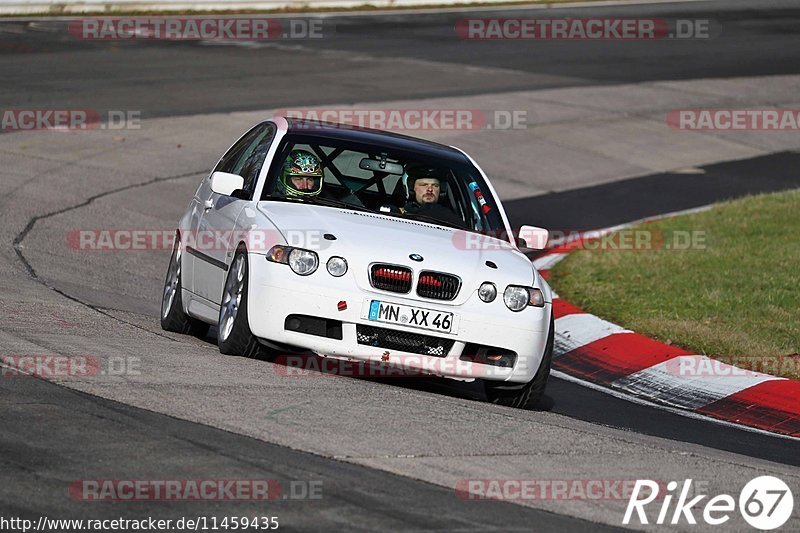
363,238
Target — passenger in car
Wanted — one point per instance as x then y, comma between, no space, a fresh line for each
424,192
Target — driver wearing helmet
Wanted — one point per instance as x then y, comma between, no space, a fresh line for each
301,174
424,188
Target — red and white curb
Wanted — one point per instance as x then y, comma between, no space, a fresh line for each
595,350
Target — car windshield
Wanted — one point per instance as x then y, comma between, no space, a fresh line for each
368,177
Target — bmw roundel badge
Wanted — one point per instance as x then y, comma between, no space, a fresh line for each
415,257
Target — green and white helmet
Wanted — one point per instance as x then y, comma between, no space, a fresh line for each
301,165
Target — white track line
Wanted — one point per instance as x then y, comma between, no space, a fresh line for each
674,410
576,331
666,382
546,262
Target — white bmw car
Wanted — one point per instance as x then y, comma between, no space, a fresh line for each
365,246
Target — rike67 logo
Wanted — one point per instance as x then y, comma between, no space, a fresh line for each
765,503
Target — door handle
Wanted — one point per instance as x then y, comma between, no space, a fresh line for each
208,204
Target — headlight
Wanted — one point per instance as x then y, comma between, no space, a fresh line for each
303,262
337,266
487,292
516,298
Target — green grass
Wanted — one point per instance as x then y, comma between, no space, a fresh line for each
738,295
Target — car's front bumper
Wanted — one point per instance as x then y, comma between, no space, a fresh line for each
275,292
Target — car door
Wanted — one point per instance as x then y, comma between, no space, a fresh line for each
217,229
188,230
195,242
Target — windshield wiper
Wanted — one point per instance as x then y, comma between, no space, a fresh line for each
316,200
433,220
329,202
270,198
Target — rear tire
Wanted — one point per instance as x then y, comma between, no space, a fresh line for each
526,395
173,318
234,336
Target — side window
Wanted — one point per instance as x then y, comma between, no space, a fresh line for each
251,161
232,156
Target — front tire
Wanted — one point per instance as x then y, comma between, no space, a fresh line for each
526,395
234,336
173,318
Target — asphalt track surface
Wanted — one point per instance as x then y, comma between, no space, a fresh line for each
354,497
410,56
606,205
50,435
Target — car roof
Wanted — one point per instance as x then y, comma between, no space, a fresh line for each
358,134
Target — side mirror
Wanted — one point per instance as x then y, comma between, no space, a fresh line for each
225,183
533,237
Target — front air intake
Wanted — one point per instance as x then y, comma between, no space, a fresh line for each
393,278
437,285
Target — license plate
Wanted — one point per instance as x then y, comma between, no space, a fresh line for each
407,315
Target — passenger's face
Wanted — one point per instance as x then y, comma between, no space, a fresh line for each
426,190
